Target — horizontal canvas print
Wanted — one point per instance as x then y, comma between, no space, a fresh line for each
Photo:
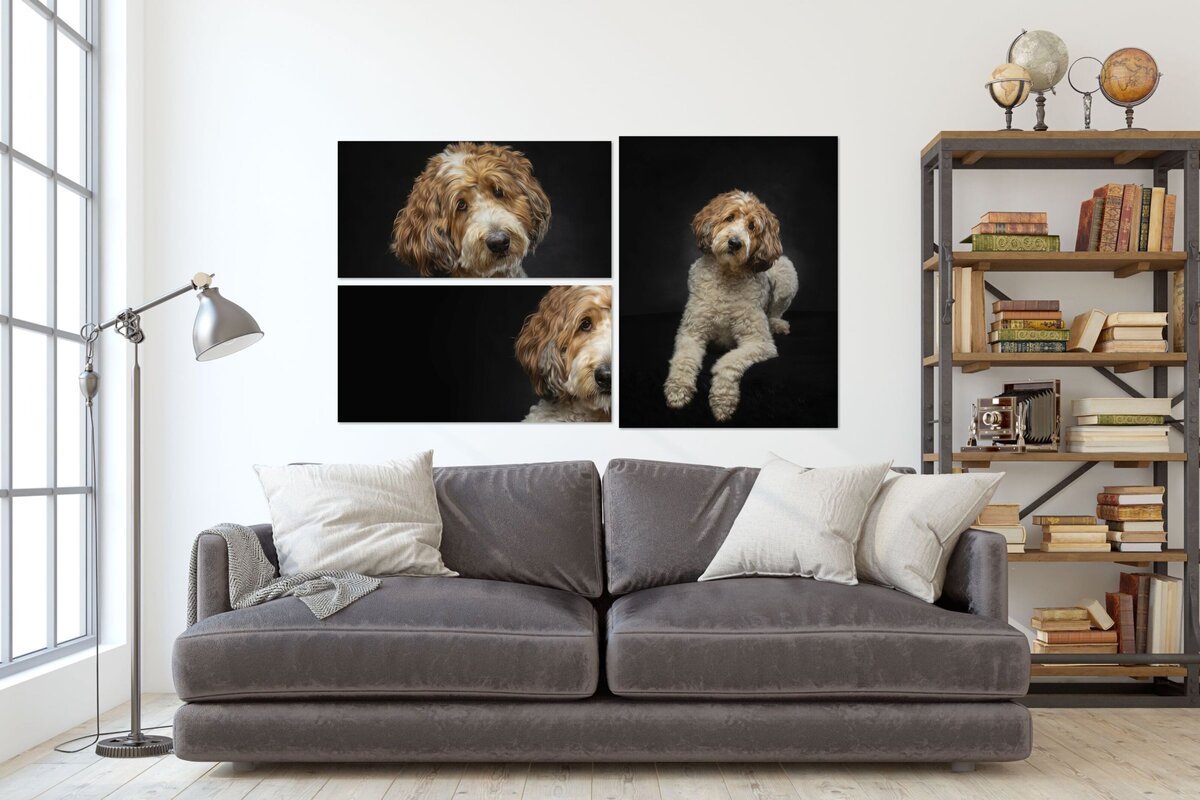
475,353
729,282
474,209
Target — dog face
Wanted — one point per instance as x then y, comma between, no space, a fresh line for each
739,231
566,346
475,211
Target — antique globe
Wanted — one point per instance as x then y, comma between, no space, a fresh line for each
1128,78
1045,55
1009,87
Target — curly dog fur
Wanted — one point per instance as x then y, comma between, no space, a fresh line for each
738,290
566,347
475,211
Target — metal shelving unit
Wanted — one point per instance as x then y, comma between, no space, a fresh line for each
1171,679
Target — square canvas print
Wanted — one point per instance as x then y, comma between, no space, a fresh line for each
474,209
475,353
729,282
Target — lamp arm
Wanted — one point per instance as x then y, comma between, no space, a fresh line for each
200,280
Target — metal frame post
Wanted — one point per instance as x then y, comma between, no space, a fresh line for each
928,412
1191,420
945,235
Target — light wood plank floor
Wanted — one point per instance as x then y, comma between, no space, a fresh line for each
1142,753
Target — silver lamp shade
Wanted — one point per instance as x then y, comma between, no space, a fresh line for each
222,327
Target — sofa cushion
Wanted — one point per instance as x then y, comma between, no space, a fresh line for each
412,637
796,638
528,523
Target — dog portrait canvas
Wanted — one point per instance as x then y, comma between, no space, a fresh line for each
474,208
728,265
477,352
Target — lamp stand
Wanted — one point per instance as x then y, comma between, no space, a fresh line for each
221,328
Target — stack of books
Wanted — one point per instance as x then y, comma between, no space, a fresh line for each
1125,218
1013,231
1133,332
1119,425
1074,629
1072,534
1134,516
1027,326
1004,519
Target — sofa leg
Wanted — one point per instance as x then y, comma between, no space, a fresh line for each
242,766
962,766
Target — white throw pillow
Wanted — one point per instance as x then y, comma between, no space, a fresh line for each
914,526
799,521
369,518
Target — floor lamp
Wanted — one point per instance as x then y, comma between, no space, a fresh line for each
221,328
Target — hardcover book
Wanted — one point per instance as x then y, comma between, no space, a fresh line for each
1137,585
1137,526
1085,330
1145,346
1136,332
1097,217
1029,347
999,514
1029,325
1078,637
1037,217
1168,225
1157,198
1121,405
1004,243
1138,537
1075,547
1018,335
1128,499
1024,305
1131,203
1083,233
1083,624
1064,519
1097,614
1120,607
1144,222
1060,613
1028,316
1030,228
1129,512
1141,318
1112,194
1135,489
1120,419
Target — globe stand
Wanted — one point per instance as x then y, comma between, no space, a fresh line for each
1041,125
1021,94
1129,106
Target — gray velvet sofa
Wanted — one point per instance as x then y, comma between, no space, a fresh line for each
577,632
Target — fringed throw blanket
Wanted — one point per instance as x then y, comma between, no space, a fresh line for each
252,578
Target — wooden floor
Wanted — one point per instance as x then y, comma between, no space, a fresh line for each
1143,753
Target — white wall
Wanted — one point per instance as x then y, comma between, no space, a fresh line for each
245,104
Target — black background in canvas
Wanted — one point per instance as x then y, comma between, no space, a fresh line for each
374,179
441,353
664,182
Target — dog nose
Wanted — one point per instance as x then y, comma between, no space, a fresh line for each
735,244
498,242
604,377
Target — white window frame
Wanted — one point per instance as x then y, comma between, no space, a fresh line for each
89,284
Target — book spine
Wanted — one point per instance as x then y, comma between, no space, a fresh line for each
1002,243
1144,223
1168,224
1076,519
1127,419
1130,201
1038,217
1157,198
1148,513
1084,230
1077,637
1029,347
1112,217
1097,220
1018,335
1034,228
1029,325
1003,316
1025,305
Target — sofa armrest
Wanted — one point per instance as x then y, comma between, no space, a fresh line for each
977,576
212,570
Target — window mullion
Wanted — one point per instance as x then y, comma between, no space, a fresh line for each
6,593
52,317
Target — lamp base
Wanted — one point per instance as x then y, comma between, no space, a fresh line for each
127,747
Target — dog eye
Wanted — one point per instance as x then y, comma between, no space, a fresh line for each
729,218
462,205
751,225
498,192
586,324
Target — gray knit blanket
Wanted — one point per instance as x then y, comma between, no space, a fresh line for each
252,578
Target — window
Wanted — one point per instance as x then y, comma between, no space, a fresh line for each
47,291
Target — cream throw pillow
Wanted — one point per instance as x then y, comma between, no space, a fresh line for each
367,518
799,521
914,526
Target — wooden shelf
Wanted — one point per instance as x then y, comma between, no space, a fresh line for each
1121,265
1108,671
1041,557
1120,362
1125,148
978,459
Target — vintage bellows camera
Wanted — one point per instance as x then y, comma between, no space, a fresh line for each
1025,417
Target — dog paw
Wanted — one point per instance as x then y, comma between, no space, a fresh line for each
780,327
723,401
678,394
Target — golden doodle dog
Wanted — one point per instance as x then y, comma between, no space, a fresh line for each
476,211
566,347
737,292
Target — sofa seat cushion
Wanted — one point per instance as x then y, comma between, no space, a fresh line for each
796,638
411,637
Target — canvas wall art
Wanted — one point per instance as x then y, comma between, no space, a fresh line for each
474,209
481,352
728,282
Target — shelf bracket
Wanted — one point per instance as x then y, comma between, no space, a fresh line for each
975,366
973,157
1049,494
1132,366
1123,158
1129,270
994,292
